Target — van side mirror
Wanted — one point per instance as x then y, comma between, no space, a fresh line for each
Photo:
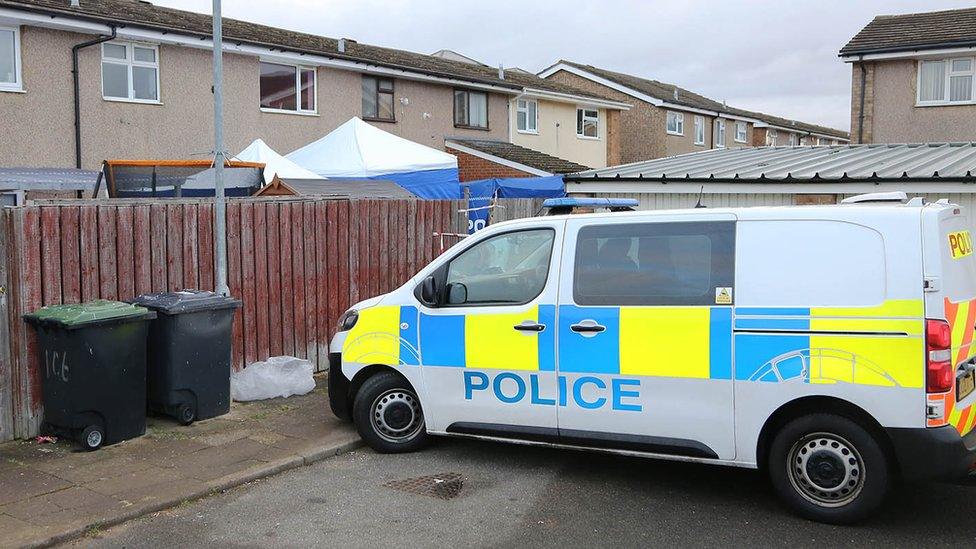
428,291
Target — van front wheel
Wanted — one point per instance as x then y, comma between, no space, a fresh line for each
829,469
388,415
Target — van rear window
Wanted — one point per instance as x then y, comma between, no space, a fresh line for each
683,263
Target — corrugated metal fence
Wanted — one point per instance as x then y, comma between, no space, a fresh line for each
297,264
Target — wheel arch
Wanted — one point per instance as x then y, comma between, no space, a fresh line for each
367,372
820,404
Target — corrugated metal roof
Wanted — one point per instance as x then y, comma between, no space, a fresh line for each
901,162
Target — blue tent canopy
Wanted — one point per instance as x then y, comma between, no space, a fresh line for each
484,190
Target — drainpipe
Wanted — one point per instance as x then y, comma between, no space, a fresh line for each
77,88
860,113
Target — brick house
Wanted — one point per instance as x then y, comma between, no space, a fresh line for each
912,78
668,120
145,92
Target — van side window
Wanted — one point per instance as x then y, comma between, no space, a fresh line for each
679,263
508,269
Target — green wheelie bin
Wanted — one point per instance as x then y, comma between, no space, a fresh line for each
93,370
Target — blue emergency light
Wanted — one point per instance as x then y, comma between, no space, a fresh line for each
559,206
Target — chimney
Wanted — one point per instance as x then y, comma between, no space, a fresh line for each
501,72
342,45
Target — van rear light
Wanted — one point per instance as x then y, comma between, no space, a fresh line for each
938,360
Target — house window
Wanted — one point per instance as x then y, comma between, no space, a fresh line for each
676,123
287,88
946,81
792,139
699,130
470,109
10,59
740,132
587,123
527,116
771,137
130,72
720,133
378,98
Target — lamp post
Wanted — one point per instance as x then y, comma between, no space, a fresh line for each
220,202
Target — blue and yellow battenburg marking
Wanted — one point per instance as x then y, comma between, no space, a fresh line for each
882,346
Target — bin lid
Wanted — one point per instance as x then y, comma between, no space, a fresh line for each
77,315
186,301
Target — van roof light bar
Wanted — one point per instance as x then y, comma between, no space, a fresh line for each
894,196
559,206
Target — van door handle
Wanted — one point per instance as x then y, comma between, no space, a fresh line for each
529,326
587,328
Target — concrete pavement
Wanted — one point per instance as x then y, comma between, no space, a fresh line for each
52,492
525,497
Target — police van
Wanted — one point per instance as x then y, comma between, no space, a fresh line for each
830,346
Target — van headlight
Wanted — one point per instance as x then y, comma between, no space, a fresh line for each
347,320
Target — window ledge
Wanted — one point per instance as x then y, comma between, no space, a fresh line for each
676,134
136,101
740,140
283,111
578,136
376,119
702,144
478,128
12,89
528,132
947,104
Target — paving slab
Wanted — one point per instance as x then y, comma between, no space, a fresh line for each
51,493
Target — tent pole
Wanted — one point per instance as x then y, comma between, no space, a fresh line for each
220,202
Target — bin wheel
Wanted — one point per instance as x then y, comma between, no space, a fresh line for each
92,437
186,414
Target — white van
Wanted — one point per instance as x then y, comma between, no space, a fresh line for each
828,345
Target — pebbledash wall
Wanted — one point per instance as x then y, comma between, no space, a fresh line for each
179,126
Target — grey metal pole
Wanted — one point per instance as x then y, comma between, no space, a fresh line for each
220,202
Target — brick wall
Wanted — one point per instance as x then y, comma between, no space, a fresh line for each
814,199
868,136
472,168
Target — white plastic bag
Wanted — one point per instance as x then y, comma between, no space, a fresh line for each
279,376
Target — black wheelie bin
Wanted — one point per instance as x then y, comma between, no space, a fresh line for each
189,353
93,370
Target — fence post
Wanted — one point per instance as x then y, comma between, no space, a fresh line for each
6,370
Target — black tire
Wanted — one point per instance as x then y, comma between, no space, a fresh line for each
388,416
828,468
92,437
186,414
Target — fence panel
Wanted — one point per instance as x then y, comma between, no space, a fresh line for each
297,264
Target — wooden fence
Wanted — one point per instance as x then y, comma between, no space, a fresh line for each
297,264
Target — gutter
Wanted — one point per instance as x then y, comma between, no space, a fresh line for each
576,178
77,88
918,48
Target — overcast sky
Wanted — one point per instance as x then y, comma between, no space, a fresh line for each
779,57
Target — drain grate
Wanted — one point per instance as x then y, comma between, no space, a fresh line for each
440,486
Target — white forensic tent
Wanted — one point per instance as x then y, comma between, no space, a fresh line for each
274,163
358,150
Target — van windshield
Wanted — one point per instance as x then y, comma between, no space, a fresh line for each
958,259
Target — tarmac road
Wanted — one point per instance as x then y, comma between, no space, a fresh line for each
524,496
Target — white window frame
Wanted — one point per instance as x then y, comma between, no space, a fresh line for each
745,132
792,140
531,124
679,123
948,79
18,84
130,62
771,137
720,134
699,130
594,119
298,88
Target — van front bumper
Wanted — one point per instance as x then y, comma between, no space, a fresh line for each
338,387
936,453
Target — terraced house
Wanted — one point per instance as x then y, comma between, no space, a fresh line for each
143,90
667,120
912,78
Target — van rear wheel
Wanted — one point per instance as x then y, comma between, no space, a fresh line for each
829,469
388,415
